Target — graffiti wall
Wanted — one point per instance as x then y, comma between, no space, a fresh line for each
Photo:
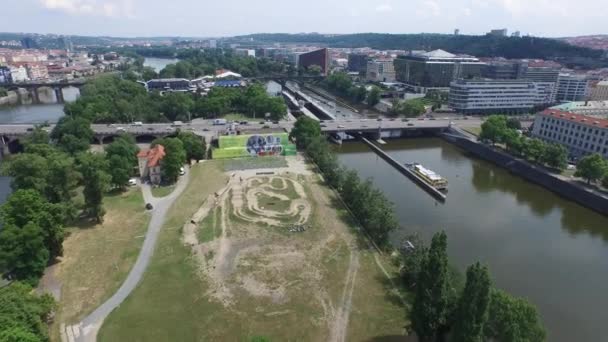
238,146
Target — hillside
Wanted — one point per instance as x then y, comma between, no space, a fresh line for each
481,46
598,42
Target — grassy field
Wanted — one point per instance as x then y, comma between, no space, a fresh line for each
236,117
253,163
162,191
97,258
283,286
475,130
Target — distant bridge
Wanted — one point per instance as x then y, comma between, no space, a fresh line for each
33,88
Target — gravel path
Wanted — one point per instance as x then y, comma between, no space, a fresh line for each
86,330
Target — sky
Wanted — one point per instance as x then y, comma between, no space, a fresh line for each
214,18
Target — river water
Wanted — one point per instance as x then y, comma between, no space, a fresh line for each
537,245
159,64
38,113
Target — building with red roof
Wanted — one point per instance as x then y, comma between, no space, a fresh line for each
580,134
150,163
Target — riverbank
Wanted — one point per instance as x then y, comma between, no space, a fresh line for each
534,173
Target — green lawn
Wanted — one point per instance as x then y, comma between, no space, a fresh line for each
253,163
168,304
210,228
475,130
162,191
98,257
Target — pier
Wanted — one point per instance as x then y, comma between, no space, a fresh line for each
401,168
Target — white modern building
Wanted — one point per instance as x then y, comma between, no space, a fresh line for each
485,96
581,134
19,73
380,70
572,87
599,92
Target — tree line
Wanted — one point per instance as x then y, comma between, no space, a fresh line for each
481,46
501,129
110,99
367,203
442,306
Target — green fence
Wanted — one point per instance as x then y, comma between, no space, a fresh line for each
258,145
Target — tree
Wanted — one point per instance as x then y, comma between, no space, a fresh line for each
24,315
175,157
73,135
494,128
23,255
38,136
512,319
411,108
28,206
121,155
591,167
93,168
340,82
357,93
431,303
534,149
472,312
314,70
373,96
412,259
148,73
28,171
304,130
513,123
556,156
514,141
430,306
194,146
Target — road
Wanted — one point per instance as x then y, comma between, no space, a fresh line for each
86,330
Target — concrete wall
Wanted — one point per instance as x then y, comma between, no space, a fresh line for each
533,174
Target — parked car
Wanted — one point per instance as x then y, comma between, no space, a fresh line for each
182,171
132,182
244,122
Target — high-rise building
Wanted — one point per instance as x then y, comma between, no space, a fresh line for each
580,134
29,43
66,43
212,43
380,70
540,72
599,92
498,32
357,62
485,96
572,87
318,57
422,71
18,73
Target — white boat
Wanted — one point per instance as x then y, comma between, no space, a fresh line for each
428,176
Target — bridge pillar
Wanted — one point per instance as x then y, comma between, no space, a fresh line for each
100,139
34,94
59,94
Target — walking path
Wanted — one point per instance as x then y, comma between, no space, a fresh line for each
86,330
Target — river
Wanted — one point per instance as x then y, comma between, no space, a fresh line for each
537,245
159,64
38,113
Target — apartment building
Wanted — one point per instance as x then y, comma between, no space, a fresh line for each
380,70
485,96
581,134
572,87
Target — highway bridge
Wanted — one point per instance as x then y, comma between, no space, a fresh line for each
105,132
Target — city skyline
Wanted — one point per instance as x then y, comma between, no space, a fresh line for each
190,18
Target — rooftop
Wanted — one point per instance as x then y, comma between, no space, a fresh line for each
576,118
569,106
153,155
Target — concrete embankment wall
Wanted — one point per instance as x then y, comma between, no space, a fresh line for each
533,174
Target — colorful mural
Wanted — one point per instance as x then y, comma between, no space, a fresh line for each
258,145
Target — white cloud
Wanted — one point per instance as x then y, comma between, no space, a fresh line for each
108,8
429,8
466,12
384,8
